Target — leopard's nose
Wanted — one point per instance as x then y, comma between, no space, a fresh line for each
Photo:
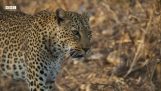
85,49
75,53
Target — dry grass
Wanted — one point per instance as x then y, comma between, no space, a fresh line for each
126,46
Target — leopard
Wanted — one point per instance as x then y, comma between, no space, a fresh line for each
33,47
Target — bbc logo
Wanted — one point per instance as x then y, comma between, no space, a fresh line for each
10,7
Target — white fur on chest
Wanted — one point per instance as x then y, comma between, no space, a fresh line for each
54,68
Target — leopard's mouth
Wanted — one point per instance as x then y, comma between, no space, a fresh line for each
76,53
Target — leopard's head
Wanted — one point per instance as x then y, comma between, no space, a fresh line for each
73,32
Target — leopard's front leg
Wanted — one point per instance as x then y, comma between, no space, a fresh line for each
37,76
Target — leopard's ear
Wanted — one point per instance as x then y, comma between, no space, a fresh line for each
86,15
60,15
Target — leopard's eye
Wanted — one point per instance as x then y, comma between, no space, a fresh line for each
89,34
77,34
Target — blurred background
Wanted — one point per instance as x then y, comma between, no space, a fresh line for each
126,46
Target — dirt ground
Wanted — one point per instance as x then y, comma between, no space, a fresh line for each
126,46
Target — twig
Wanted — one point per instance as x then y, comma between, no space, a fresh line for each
139,47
